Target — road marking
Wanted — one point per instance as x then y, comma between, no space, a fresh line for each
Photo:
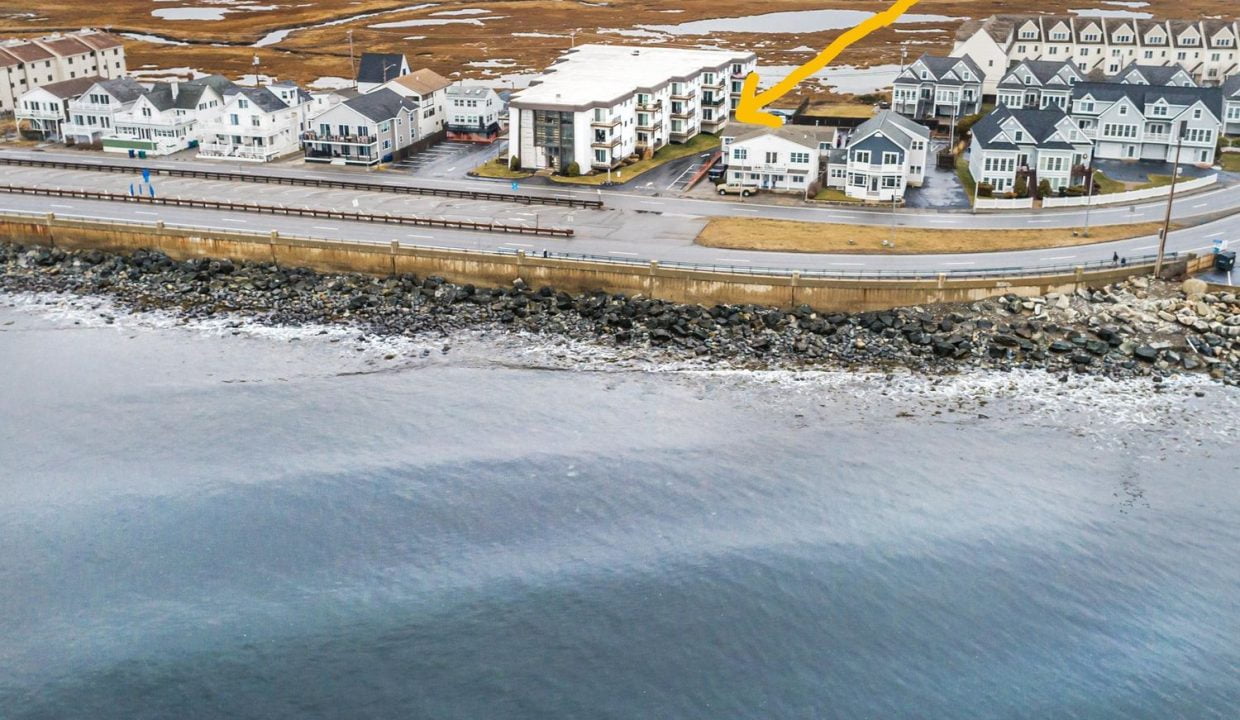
231,220
143,212
1062,257
651,202
1200,205
960,263
731,260
748,210
66,207
422,237
941,220
325,227
450,169
619,252
1041,221
1209,236
1145,247
517,244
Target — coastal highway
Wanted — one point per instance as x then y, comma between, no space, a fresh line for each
1222,199
637,247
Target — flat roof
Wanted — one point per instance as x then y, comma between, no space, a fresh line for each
601,74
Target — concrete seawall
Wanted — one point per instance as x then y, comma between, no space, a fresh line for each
570,275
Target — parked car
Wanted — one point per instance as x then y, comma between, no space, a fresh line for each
716,172
741,190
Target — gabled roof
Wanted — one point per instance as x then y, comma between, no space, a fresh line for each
1046,72
467,91
68,89
379,68
29,52
100,40
891,124
1152,74
943,69
1142,95
423,82
1231,88
8,59
188,93
805,135
262,98
382,104
124,89
66,45
1042,127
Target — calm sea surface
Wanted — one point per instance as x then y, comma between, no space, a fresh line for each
219,522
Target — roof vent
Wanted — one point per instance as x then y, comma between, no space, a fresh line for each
637,52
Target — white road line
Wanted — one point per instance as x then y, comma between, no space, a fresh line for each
66,207
1041,221
748,210
960,263
1061,257
231,220
651,202
143,212
938,220
325,227
848,264
450,169
422,237
1200,205
730,260
1209,236
619,252
1145,247
517,244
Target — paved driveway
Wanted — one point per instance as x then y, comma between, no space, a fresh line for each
447,159
1139,171
942,189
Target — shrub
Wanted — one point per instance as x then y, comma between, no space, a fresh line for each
1044,188
1022,186
965,124
514,163
984,189
501,160
1076,190
573,170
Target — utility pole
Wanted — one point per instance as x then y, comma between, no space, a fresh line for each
1175,174
352,63
572,38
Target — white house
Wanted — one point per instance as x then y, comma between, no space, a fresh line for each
1038,84
472,113
1205,48
254,126
93,113
1231,105
26,64
936,87
600,104
165,118
1142,122
884,156
377,69
1045,144
374,127
790,158
45,110
426,88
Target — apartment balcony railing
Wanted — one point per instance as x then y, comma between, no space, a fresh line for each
684,94
313,137
716,84
221,128
652,124
713,100
606,143
649,107
684,133
239,152
683,113
605,122
23,114
75,129
87,107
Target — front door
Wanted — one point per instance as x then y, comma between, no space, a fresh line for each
874,184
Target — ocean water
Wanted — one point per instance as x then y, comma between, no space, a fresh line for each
223,520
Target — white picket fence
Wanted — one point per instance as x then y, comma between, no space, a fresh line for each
984,203
1130,196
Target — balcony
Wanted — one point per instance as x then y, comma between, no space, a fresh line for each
93,108
23,114
650,107
684,94
228,151
313,137
73,129
717,84
264,130
683,113
606,143
684,133
652,124
713,100
605,122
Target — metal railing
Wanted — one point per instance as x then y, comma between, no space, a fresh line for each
308,182
1142,261
298,212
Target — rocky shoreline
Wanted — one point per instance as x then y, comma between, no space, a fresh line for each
1137,328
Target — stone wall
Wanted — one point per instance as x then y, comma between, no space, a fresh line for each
494,269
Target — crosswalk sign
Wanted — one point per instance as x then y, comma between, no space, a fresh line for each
514,184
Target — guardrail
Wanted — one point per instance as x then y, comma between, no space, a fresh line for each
307,182
300,212
741,270
1132,195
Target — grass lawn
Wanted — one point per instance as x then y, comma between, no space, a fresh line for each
1157,181
835,195
1106,185
843,110
500,170
700,143
966,177
792,236
1230,161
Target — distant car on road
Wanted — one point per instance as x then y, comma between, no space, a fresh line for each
741,190
716,173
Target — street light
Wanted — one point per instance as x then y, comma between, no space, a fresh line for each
1089,190
1175,174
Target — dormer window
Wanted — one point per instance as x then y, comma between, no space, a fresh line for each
1123,38
1090,37
1028,35
1060,37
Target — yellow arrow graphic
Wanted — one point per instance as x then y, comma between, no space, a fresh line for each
749,108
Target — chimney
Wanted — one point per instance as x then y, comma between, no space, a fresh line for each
175,86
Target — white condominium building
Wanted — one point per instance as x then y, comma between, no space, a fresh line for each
1206,49
1044,144
1144,122
600,104
28,64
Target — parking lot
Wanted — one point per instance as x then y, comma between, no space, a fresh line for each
447,159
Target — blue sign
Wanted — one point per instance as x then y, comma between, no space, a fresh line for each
146,175
514,184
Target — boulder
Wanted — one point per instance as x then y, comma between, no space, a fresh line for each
1192,287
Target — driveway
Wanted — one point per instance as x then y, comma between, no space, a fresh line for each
941,189
447,159
1139,171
